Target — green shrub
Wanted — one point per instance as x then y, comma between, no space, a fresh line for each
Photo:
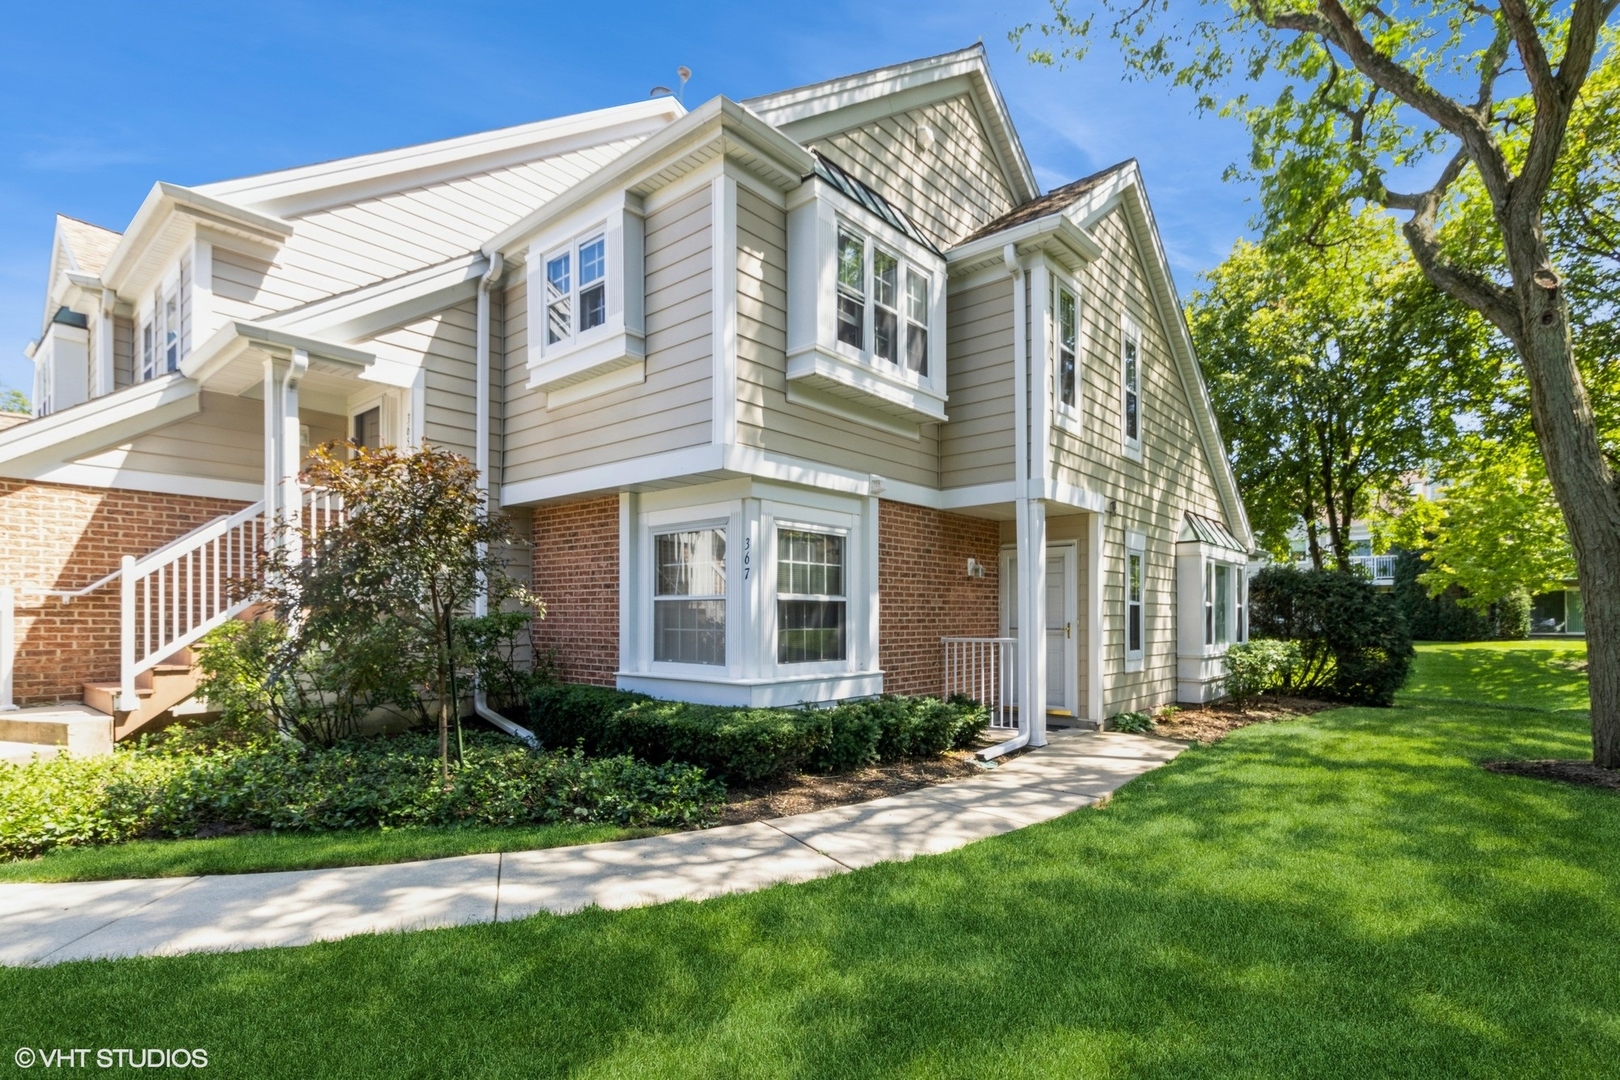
1449,616
747,746
1258,666
1132,723
155,790
1354,644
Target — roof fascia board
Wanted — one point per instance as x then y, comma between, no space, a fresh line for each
100,422
719,118
312,187
166,199
1131,195
236,337
366,312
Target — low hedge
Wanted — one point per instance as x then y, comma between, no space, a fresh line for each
746,746
154,791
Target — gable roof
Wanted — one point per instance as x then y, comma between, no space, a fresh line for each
307,188
88,246
807,113
1060,198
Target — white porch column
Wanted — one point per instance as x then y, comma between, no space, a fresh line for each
1094,620
282,498
273,368
1031,599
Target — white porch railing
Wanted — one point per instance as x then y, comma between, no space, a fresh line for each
986,670
171,597
1381,567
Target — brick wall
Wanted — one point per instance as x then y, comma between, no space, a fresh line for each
576,572
924,592
57,536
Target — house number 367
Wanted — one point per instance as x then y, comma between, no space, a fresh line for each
748,555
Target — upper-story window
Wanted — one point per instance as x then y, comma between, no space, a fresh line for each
1068,336
1130,364
164,332
883,306
586,295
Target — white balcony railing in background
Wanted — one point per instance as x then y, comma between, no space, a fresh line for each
1381,567
986,670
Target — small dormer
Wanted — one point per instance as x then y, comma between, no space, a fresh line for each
62,363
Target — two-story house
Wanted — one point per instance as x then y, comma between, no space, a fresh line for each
804,397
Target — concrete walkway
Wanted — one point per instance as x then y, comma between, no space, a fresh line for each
52,923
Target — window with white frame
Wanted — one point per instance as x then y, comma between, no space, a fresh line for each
1223,604
1130,362
1135,587
811,605
689,596
164,335
1068,332
1240,629
874,284
576,288
1209,602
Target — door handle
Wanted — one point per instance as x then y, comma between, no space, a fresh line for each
1068,629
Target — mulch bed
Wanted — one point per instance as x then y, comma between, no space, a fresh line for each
806,792
1209,723
1570,772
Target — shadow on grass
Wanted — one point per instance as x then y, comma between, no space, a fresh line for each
1345,896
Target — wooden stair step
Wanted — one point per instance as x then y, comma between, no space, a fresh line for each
114,689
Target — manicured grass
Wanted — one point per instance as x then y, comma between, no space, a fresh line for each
1540,674
1348,895
257,852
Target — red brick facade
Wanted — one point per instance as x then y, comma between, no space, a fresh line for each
576,572
56,536
924,592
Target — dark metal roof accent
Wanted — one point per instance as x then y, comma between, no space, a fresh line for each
870,200
1050,203
1213,533
68,317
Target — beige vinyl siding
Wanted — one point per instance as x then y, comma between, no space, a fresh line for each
246,287
1153,494
765,417
976,444
950,190
123,351
344,247
445,344
673,409
223,441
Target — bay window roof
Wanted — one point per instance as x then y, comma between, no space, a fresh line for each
869,198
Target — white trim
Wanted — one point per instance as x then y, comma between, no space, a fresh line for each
614,475
103,476
613,378
366,312
101,422
1095,690
1067,417
1130,336
777,693
723,249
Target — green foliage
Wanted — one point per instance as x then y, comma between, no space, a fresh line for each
1133,723
747,746
14,401
1495,532
1258,666
155,790
1353,644
377,603
1335,372
1444,617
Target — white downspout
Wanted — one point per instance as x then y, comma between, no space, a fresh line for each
481,441
1009,256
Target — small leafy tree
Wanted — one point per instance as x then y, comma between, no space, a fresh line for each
14,401
383,598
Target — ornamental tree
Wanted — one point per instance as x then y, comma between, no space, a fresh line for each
1353,103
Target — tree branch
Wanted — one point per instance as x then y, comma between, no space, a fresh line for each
1554,94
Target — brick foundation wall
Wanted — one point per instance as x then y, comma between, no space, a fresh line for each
57,536
924,592
576,573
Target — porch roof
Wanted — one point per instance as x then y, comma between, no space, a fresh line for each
232,360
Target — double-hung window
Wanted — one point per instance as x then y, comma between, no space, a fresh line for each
1068,332
1130,359
1223,604
883,303
1135,587
576,289
689,596
1240,586
1209,602
811,605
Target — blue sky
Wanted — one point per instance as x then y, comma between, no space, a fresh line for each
96,108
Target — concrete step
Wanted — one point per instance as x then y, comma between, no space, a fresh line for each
79,729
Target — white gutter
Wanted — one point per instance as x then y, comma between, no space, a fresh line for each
1009,257
481,462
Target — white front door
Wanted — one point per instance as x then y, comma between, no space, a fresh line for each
1062,602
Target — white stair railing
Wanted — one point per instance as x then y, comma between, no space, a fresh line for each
986,670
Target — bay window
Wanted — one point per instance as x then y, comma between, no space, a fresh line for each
164,335
576,290
1068,331
689,596
810,602
869,303
1223,604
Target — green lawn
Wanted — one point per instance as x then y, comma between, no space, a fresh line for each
295,851
1344,896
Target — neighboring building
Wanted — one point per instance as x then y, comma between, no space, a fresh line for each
788,391
1558,614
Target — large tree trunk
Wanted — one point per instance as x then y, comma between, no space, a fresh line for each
1580,475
